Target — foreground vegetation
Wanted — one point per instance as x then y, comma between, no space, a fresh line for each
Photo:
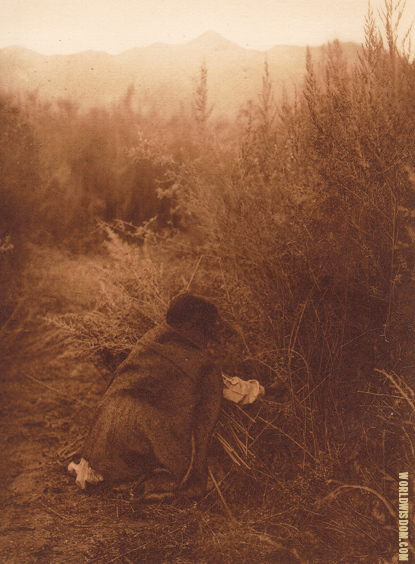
302,233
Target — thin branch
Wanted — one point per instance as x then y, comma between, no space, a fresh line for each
57,391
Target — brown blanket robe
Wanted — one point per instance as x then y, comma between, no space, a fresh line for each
159,412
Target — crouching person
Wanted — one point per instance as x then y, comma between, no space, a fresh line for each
158,414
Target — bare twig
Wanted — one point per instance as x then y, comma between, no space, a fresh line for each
225,505
56,513
194,273
334,493
57,391
158,539
13,316
402,387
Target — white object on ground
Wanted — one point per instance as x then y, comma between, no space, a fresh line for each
84,473
241,391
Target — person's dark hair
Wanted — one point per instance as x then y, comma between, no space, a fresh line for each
192,311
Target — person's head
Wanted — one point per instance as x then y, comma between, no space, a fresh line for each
193,314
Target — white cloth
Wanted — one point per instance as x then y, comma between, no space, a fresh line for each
241,391
84,473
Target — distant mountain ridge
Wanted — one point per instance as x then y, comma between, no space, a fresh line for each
163,76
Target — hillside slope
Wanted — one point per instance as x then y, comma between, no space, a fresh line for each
163,76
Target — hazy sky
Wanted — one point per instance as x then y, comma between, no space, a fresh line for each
70,26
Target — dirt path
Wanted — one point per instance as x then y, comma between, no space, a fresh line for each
41,421
47,401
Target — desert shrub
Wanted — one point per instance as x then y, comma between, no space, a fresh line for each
104,167
311,253
19,173
62,167
134,292
19,182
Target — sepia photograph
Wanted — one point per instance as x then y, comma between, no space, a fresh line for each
207,281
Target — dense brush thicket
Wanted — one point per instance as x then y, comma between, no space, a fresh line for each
298,221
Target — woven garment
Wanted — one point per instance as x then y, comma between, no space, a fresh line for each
165,392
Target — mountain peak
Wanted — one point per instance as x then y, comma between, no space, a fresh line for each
212,40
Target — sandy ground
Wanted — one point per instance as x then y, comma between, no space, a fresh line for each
44,517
